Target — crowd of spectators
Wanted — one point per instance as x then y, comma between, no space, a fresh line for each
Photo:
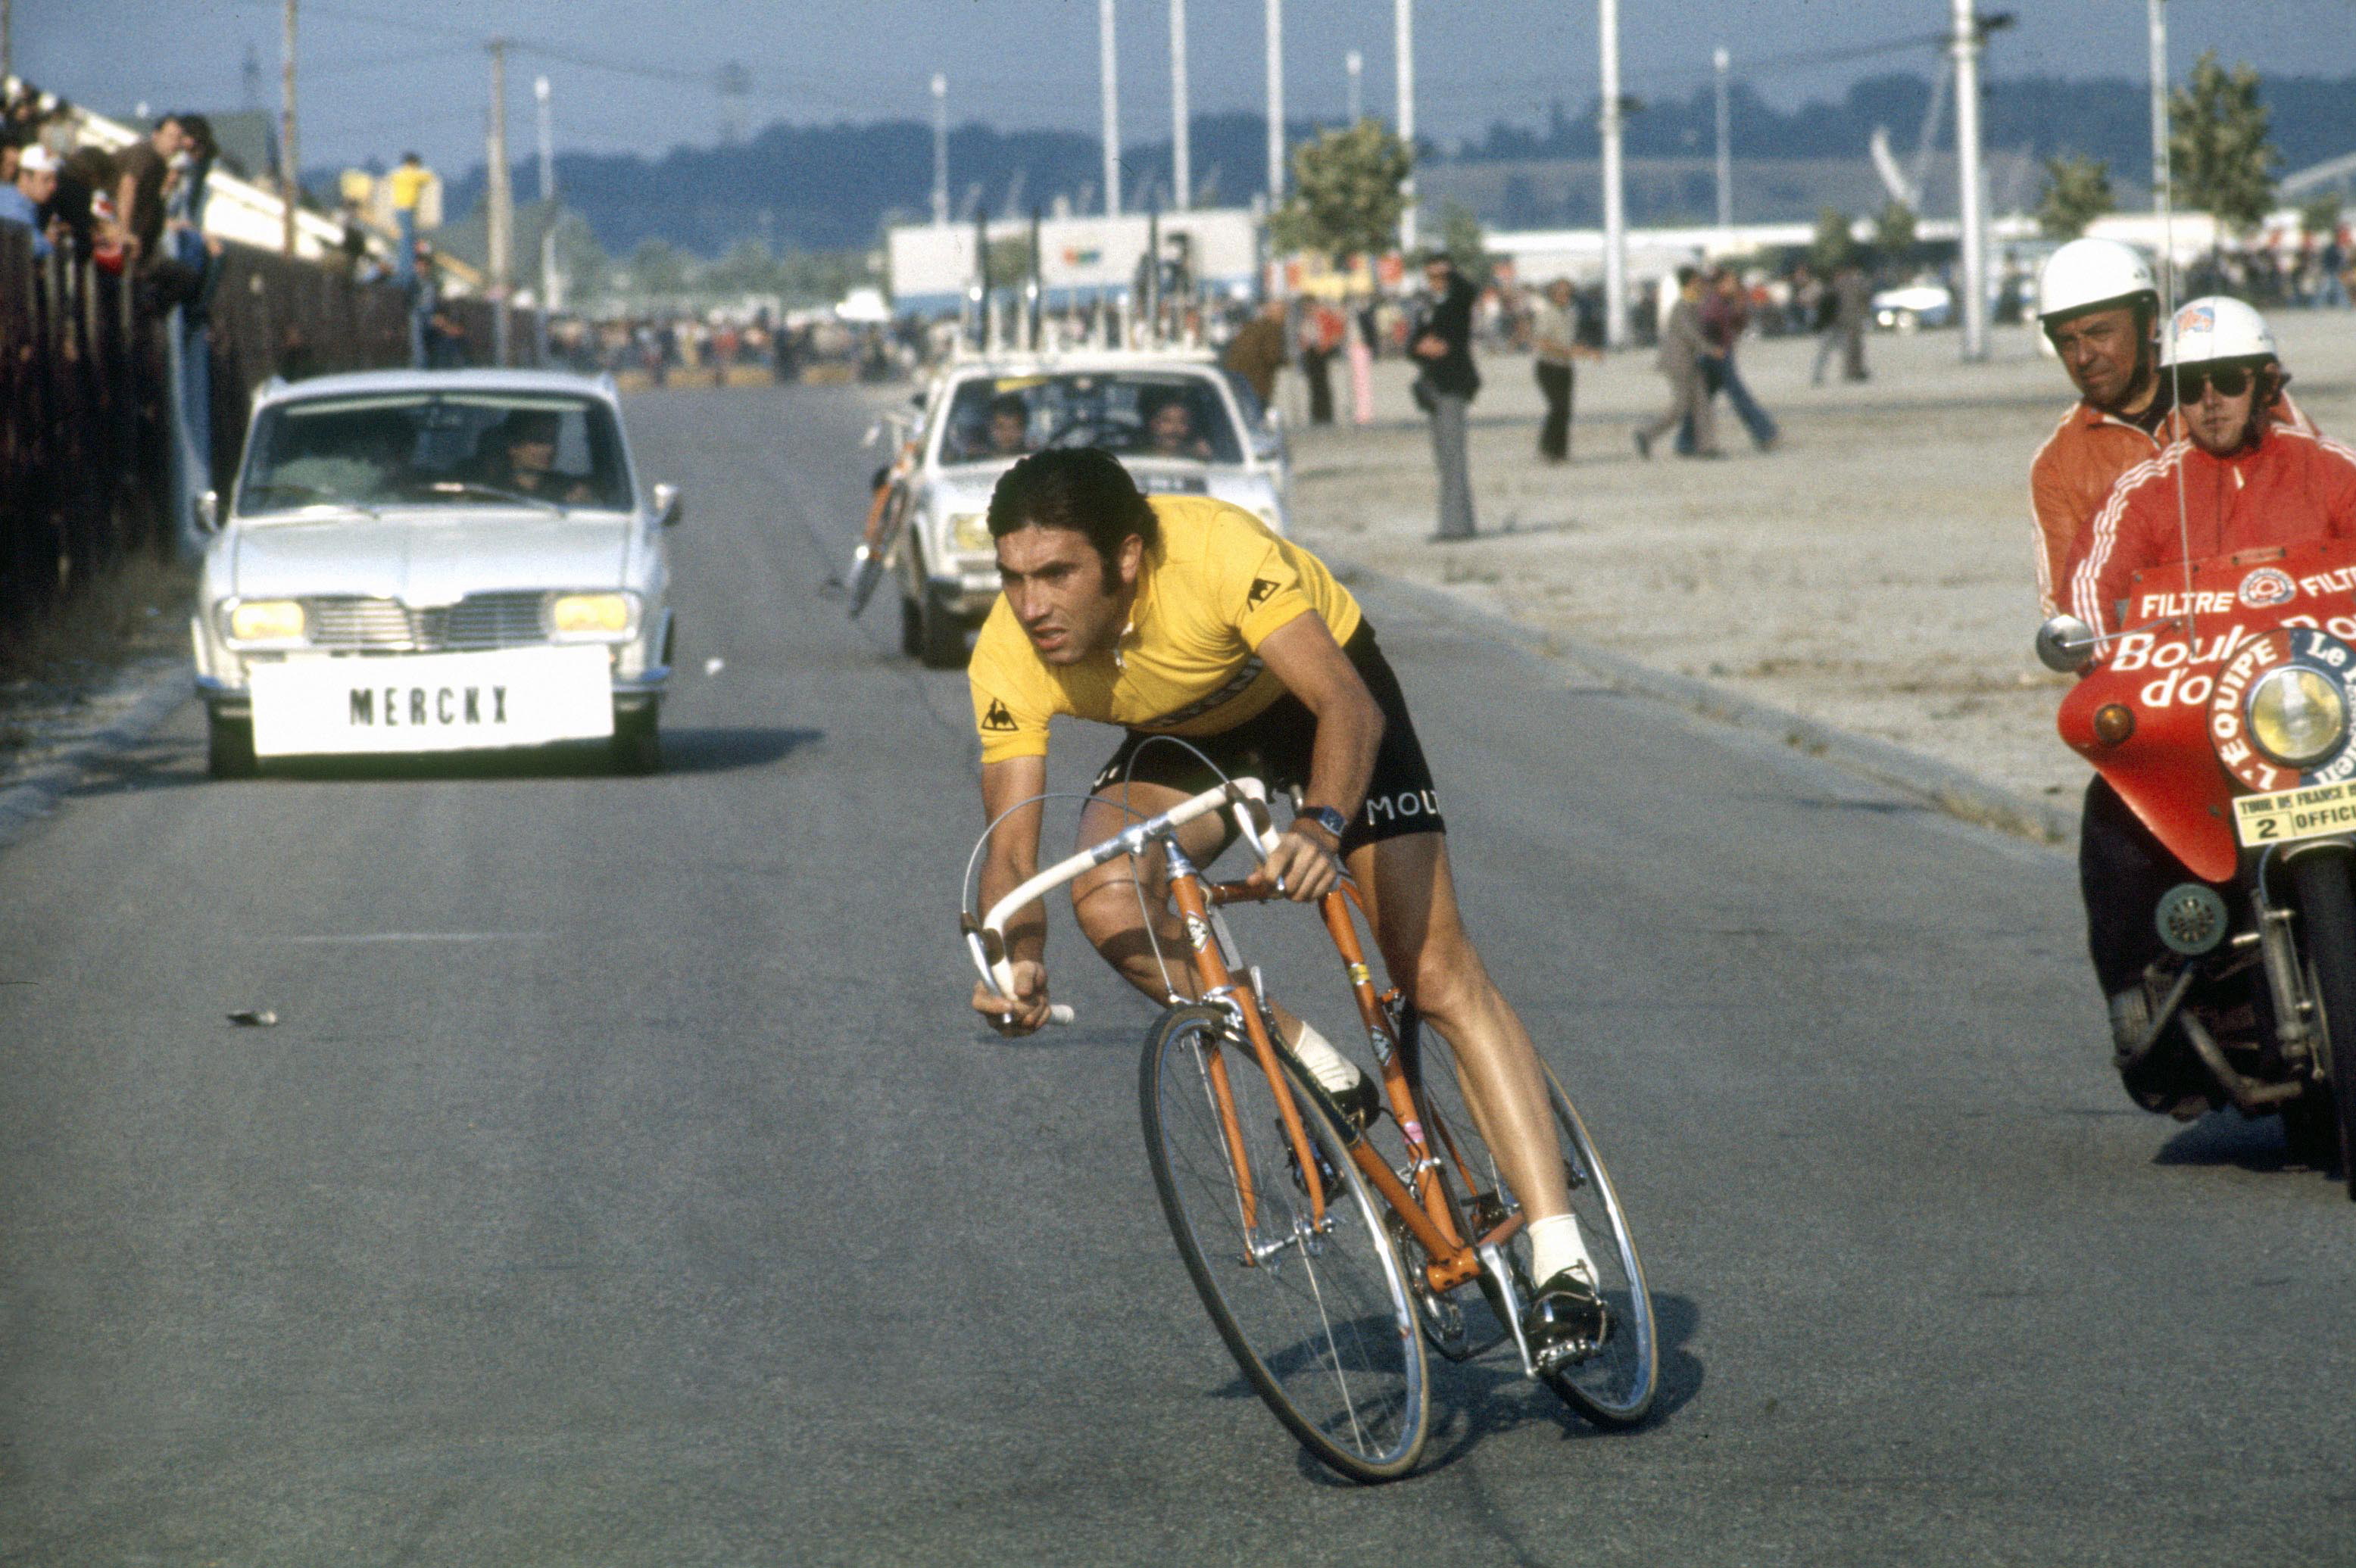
135,211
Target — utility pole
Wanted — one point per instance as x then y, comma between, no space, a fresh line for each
7,39
1275,105
1108,66
289,154
2160,159
1615,195
499,205
1181,164
546,140
1967,174
1356,64
1403,44
940,150
1720,60
550,286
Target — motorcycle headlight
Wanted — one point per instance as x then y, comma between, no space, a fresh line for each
592,617
969,532
2298,716
260,621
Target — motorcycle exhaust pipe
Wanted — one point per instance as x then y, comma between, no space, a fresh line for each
2250,1097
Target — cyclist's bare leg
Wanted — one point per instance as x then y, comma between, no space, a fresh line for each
1107,899
1410,901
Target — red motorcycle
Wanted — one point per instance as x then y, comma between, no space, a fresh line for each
2225,718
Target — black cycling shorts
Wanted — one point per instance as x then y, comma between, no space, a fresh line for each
1275,746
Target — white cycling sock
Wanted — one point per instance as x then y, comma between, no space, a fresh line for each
1335,1073
1556,1245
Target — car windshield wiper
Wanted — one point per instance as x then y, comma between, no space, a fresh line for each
318,497
475,487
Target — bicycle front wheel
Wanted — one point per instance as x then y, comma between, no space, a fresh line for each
1319,1319
1614,1387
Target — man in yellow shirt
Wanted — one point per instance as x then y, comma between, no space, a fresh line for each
1185,617
408,181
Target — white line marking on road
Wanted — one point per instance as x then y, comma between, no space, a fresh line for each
355,938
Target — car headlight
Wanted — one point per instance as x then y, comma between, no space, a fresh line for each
263,620
969,533
2298,716
593,617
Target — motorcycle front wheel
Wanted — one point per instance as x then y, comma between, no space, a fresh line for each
2328,907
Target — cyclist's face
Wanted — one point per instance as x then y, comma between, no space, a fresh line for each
1068,606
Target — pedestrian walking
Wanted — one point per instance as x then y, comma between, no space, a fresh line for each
1725,314
1445,388
1684,347
1322,332
1556,348
1361,364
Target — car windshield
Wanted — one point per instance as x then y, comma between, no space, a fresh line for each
1172,415
457,449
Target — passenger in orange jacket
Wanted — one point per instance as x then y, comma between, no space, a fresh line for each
2098,305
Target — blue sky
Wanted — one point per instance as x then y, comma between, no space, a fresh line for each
380,76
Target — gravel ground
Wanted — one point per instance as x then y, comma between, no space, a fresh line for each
1873,572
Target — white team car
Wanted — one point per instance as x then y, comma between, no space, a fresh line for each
434,562
1178,422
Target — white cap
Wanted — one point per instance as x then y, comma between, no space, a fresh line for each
38,160
2090,273
2215,327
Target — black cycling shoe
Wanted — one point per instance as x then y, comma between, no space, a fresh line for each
1564,1321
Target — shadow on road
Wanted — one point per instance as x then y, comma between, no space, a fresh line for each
713,750
2226,1139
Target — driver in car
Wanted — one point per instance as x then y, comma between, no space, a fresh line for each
2238,479
1169,425
524,459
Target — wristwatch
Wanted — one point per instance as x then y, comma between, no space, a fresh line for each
1331,820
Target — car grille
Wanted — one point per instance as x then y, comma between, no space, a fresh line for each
477,622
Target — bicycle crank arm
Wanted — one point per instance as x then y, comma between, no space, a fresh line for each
1493,1258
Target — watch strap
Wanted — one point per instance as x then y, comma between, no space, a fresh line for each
1331,820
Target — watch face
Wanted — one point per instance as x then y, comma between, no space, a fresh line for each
1333,821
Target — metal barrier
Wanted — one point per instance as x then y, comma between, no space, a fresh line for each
99,455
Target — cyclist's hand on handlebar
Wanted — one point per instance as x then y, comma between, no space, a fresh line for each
1307,869
1026,1011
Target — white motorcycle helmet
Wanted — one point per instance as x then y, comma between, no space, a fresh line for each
2088,272
2214,327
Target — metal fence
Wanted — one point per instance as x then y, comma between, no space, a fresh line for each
98,456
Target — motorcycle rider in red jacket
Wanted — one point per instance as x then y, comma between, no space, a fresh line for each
2236,480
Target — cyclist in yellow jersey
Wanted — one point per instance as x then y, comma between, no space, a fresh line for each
1187,617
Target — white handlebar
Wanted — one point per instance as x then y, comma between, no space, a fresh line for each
1242,795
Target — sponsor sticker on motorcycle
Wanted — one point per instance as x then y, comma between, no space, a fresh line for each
2267,587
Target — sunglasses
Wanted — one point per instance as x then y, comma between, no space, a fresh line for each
2192,383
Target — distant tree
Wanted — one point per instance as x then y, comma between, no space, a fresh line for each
2077,192
587,272
656,268
747,267
2319,218
1834,247
1894,233
2218,146
1349,201
1460,233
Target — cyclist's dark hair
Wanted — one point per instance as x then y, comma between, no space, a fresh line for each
1082,488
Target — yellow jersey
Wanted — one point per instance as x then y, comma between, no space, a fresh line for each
1211,589
409,186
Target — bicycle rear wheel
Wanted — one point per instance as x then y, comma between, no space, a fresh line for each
1320,1322
1614,1387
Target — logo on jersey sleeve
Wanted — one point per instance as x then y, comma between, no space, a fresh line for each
998,719
1262,587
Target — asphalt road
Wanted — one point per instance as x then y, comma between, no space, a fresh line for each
624,1184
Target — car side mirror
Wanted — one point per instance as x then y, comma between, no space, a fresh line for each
2066,645
669,507
209,511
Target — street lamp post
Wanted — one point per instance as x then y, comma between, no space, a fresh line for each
1615,211
1181,164
2160,159
1967,177
1403,27
1275,104
940,149
1720,61
1356,64
1109,64
499,205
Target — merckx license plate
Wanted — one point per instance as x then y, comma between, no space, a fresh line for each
431,702
2290,815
